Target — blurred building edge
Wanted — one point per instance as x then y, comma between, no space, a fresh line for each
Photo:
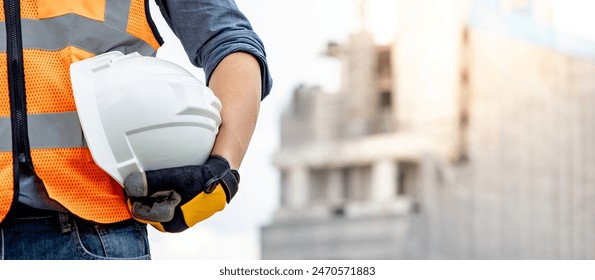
471,137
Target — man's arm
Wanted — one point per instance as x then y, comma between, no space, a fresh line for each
236,81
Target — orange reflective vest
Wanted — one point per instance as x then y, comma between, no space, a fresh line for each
38,123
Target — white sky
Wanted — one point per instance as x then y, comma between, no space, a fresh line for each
295,32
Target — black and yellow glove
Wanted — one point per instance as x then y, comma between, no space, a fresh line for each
175,199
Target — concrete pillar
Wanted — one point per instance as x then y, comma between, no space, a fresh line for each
298,187
356,184
384,180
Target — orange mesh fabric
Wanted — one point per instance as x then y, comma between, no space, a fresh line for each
4,98
138,26
72,178
47,80
6,183
29,9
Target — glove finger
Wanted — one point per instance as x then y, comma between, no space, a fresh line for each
159,207
156,225
186,180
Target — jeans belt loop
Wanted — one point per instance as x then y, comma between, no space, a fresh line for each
65,222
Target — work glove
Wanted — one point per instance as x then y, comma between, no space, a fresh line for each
175,199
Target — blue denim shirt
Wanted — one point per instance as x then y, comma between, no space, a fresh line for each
211,29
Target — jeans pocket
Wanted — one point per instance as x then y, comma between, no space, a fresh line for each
119,241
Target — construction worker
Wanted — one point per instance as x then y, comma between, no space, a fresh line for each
55,202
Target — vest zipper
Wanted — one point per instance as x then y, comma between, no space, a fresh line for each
16,88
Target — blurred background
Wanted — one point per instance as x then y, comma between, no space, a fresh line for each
413,129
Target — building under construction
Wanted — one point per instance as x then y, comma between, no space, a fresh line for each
470,137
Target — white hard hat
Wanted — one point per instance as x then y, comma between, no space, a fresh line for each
142,113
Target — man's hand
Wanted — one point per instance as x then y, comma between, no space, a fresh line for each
175,199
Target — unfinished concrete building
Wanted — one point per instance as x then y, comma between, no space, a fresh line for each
470,137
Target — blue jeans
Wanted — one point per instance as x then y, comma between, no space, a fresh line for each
49,235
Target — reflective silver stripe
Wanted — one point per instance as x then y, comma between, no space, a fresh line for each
60,130
74,30
116,13
5,135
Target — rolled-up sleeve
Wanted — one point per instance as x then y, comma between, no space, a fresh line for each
209,30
